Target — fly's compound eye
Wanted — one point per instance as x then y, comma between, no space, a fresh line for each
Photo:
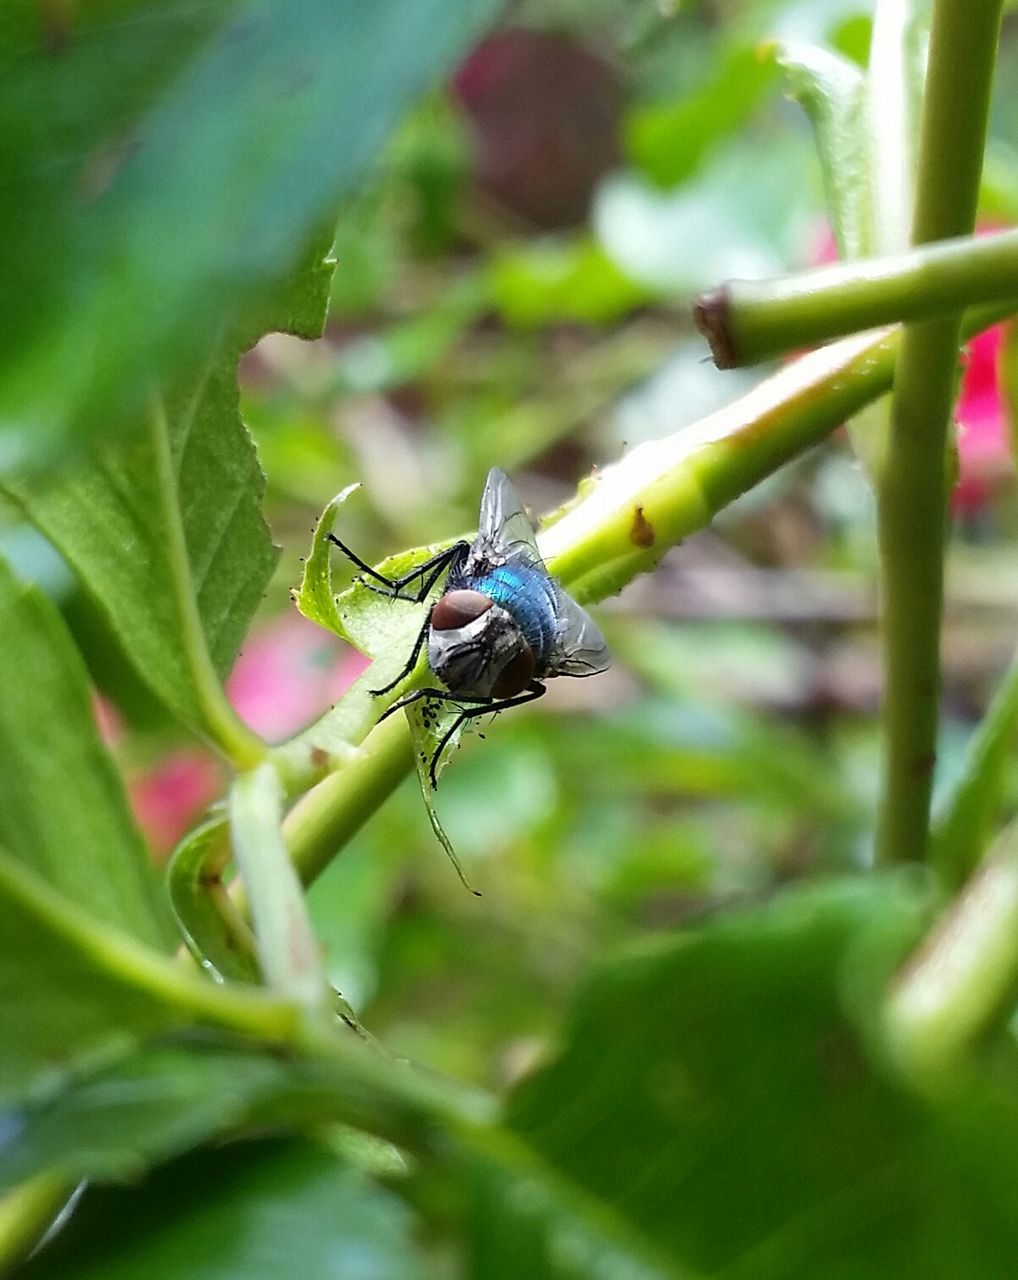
458,609
516,674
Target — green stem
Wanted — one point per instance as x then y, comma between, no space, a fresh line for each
912,488
243,748
283,935
132,965
324,819
962,828
964,975
748,321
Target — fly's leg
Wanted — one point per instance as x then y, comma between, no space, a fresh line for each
408,666
424,590
440,695
532,692
394,587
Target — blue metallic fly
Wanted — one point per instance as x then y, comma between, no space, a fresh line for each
502,624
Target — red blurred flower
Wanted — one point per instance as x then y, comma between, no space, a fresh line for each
287,674
544,110
984,447
169,796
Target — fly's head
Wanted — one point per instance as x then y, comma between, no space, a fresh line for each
476,648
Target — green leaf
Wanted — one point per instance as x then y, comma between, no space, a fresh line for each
315,597
668,142
524,1223
112,1123
166,532
63,811
180,159
382,628
214,931
719,1092
832,92
301,306
550,281
253,1210
74,989
157,1103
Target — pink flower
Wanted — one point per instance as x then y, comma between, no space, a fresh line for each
168,797
984,447
287,674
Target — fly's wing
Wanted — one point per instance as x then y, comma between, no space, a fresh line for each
580,649
504,534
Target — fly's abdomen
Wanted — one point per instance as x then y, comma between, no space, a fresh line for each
523,593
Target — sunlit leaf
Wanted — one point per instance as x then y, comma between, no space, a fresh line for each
166,533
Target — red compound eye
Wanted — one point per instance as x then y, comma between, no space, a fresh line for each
515,675
458,608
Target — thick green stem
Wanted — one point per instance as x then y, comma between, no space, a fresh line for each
912,488
748,321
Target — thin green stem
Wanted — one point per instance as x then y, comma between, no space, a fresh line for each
284,938
748,321
962,828
912,488
963,977
134,965
243,748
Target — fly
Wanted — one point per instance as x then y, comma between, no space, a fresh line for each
502,624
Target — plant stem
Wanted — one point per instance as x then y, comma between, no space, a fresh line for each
747,321
323,820
912,487
228,732
962,828
963,975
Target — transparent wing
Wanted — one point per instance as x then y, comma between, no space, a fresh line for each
504,532
580,646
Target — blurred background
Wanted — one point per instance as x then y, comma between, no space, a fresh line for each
513,289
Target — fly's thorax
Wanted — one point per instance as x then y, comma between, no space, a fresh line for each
476,648
527,595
